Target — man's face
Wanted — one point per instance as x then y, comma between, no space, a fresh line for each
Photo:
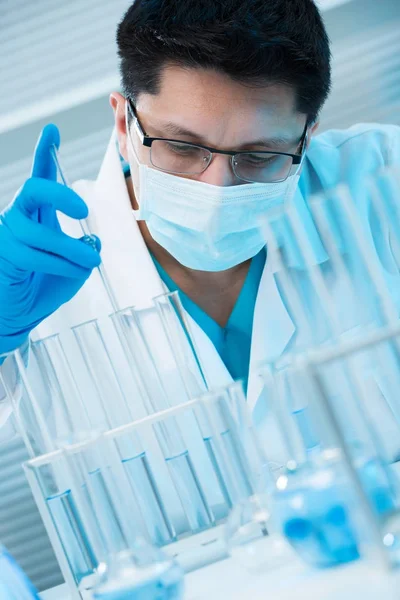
208,108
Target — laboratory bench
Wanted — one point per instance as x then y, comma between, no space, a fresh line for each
228,580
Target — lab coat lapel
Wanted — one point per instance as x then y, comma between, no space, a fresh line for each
273,328
128,263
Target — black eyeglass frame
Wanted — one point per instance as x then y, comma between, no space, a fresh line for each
147,141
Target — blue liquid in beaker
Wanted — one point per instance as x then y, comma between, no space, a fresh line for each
325,541
318,511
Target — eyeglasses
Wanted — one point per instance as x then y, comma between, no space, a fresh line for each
183,158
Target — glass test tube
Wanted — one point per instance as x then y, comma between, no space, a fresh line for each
101,368
237,470
131,567
384,205
260,467
338,225
50,485
30,414
287,434
46,402
50,413
182,346
78,407
364,274
366,447
168,433
96,471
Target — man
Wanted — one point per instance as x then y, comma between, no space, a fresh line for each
215,125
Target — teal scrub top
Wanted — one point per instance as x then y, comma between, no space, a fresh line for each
232,342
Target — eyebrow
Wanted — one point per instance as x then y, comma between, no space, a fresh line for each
278,141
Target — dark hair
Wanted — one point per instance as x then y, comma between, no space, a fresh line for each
256,42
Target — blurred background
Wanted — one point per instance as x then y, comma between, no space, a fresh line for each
58,63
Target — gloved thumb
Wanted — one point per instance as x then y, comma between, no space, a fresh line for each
43,164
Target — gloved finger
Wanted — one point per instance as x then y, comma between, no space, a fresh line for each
43,162
37,193
40,237
33,260
62,290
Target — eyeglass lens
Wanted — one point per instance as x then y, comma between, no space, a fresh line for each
183,158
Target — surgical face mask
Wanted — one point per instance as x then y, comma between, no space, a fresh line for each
207,227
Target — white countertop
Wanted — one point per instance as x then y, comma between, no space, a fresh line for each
228,580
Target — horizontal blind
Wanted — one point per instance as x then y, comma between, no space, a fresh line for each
21,527
366,77
55,53
81,160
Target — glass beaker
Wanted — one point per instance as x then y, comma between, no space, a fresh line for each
317,500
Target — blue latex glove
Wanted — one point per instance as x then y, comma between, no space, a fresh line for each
41,267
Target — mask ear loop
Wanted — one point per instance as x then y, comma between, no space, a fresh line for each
139,213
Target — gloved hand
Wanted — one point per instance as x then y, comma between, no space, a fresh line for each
41,267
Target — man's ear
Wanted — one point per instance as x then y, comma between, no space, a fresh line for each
118,104
311,132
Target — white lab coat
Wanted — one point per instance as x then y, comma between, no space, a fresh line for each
333,157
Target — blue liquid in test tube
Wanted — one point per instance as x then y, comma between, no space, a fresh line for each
243,486
304,423
377,486
190,492
106,385
149,500
167,432
72,534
